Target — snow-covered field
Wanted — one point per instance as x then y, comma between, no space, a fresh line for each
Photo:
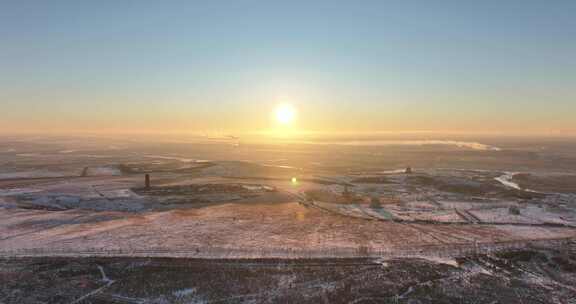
35,174
103,171
236,230
103,208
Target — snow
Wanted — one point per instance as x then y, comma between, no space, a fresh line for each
119,193
442,216
541,214
178,158
528,215
29,154
243,231
459,144
181,293
103,171
279,166
105,278
439,260
61,201
17,191
33,174
382,262
506,180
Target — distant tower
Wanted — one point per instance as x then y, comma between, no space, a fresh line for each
346,194
408,170
147,181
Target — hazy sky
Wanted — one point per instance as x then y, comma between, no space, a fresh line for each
193,66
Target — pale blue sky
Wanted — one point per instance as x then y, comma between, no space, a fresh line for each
372,61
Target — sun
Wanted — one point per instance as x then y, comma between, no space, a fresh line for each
285,114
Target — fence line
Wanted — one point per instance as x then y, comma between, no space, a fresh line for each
451,250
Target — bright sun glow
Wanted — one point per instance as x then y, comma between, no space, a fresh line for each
285,114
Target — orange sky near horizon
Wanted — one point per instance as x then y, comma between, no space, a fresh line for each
71,67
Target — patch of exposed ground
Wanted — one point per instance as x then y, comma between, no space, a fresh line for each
533,276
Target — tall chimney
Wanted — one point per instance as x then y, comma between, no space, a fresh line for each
147,180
